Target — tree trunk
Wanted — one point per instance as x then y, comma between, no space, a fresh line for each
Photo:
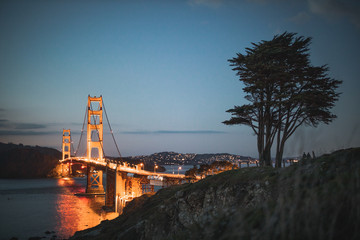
278,138
267,156
267,147
278,158
279,153
260,142
260,149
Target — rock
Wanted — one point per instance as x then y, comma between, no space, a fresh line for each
179,194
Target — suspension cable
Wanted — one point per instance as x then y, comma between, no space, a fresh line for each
82,130
72,145
111,131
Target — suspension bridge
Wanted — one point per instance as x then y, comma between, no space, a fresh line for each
124,181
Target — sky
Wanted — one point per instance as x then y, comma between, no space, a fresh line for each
162,69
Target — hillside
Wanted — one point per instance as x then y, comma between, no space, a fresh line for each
166,158
314,199
19,161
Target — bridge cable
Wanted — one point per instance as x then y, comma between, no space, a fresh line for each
111,131
72,145
82,130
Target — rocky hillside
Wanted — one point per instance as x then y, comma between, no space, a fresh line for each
19,161
314,199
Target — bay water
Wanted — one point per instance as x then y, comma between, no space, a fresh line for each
47,208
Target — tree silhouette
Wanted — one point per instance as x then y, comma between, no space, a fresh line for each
284,90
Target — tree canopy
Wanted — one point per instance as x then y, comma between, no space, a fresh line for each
284,90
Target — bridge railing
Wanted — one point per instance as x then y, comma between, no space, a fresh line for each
123,167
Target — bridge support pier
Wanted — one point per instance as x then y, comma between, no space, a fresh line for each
110,189
120,188
66,170
94,183
115,188
120,191
136,189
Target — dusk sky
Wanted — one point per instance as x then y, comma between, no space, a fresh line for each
161,67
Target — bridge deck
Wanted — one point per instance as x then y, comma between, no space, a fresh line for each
121,167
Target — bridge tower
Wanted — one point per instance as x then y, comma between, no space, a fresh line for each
66,151
66,143
95,127
94,142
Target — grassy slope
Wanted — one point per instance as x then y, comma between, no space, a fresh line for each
314,199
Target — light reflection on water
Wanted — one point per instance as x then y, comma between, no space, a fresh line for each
177,169
31,207
78,213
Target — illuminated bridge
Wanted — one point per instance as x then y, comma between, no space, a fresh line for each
124,181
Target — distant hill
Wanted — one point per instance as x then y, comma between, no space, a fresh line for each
166,158
20,161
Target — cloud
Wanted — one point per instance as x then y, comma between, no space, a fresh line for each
175,132
301,17
261,1
2,112
29,126
9,128
337,8
4,123
207,3
348,9
26,133
190,132
267,1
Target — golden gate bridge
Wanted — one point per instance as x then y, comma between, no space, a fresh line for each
124,181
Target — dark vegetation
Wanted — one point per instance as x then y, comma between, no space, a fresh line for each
284,92
313,199
209,169
19,161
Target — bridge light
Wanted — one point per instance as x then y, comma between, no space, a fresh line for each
155,167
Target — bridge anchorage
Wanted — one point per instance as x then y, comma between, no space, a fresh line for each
124,181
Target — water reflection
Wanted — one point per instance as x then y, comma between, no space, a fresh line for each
75,213
33,207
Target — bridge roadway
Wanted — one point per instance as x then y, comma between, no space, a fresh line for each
120,187
123,167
